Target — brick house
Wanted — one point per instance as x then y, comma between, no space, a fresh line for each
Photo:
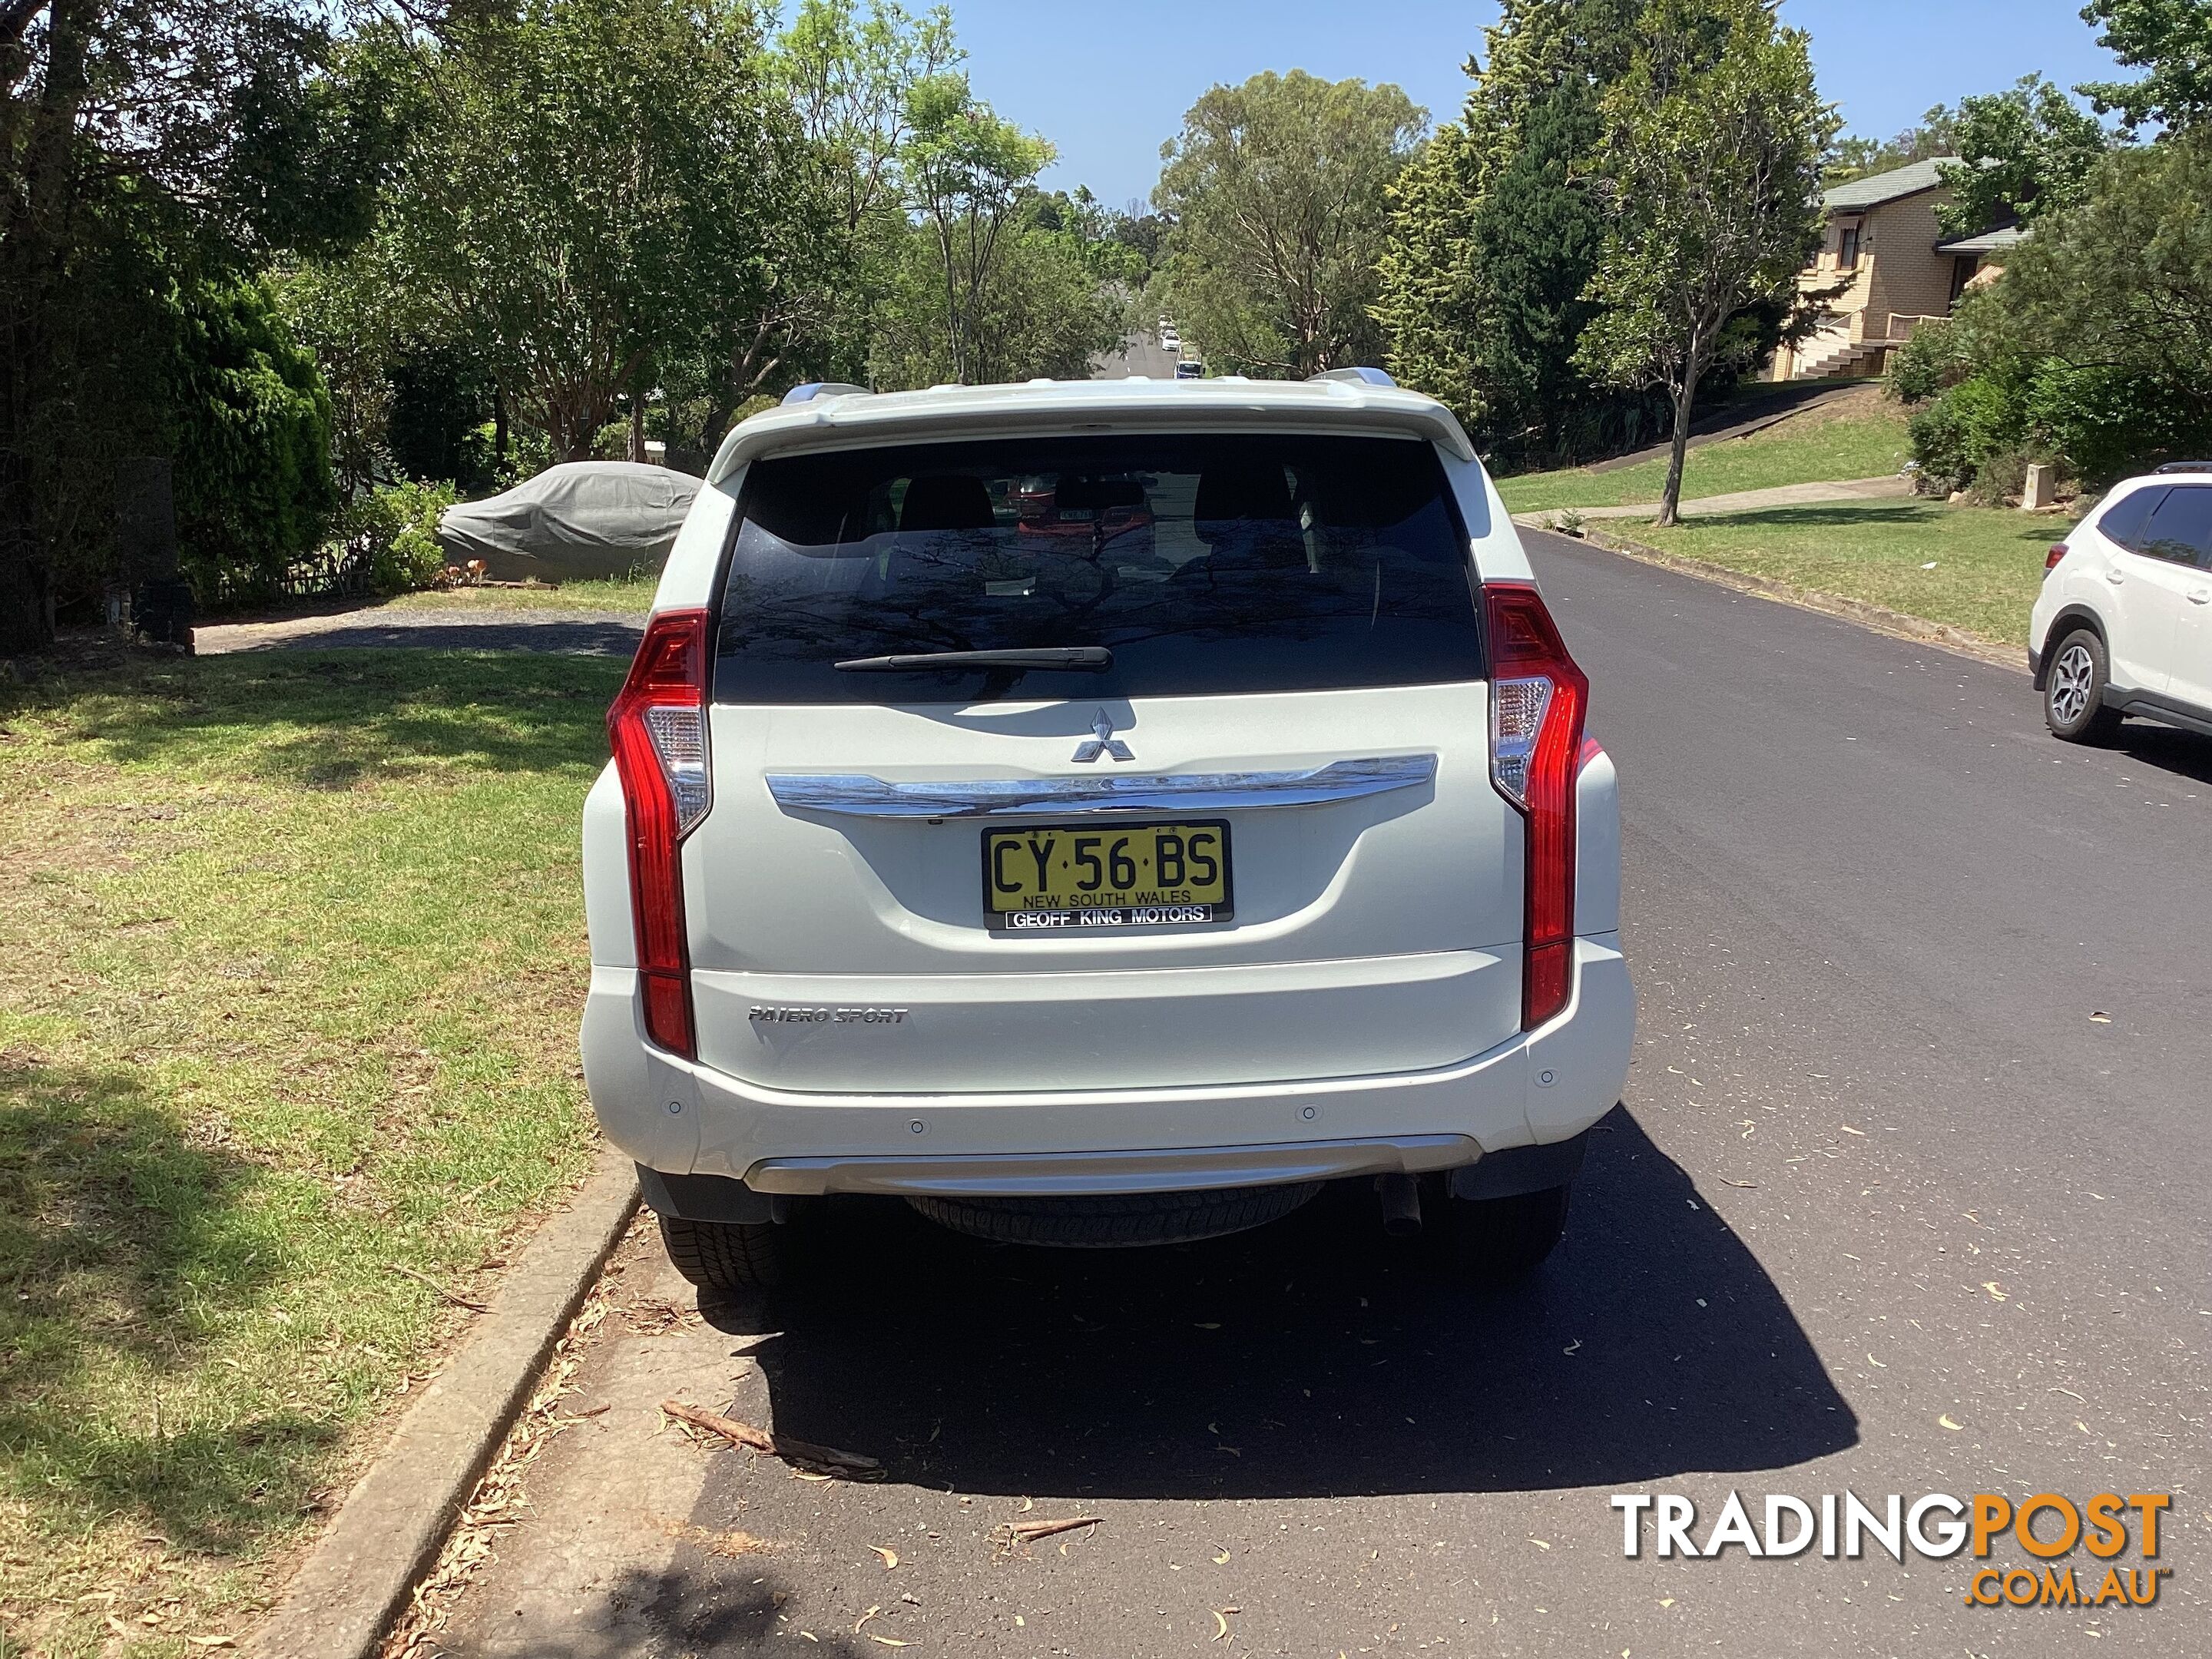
1896,268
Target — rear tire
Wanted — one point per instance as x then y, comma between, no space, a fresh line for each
2074,691
1498,1241
727,1257
1121,1221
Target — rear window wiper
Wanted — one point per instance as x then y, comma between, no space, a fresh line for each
1080,659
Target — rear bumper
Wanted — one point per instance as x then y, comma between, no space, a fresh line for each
682,1119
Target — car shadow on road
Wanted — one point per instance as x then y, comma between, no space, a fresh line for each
1314,1357
2185,754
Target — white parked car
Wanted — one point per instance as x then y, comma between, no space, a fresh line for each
1101,814
2123,624
1169,339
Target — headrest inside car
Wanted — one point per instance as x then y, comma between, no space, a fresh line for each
946,501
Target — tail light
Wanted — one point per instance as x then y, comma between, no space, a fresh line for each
2050,559
658,725
1538,700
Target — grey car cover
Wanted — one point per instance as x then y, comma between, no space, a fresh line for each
571,522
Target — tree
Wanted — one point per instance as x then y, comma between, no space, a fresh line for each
1494,232
965,168
2173,39
1276,188
1711,174
146,154
2023,153
647,221
1935,133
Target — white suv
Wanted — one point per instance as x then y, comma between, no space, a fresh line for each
1100,813
2123,624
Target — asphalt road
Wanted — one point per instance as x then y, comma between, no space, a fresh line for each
1140,354
1910,1193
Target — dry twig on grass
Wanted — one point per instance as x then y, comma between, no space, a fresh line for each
772,1445
453,1296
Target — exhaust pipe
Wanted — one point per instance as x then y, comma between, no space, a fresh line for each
1401,1205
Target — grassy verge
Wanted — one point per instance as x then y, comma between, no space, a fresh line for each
1808,448
615,595
290,954
1976,568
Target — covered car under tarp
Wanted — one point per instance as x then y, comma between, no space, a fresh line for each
580,520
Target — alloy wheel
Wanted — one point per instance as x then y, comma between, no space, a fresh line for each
2073,676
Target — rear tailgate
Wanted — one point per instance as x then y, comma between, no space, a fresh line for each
1268,608
1366,937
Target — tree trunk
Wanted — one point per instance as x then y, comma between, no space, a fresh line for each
32,257
1670,498
499,433
637,427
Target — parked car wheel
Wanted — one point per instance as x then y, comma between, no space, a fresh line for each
2074,691
727,1257
1123,1219
1496,1241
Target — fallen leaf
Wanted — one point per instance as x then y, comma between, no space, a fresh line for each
811,1636
1930,565
1221,1557
864,1619
890,1556
1871,1360
1749,1186
1990,1285
2101,1018
890,1641
1221,1622
1947,1423
212,1641
1666,1601
1540,1543
1848,1130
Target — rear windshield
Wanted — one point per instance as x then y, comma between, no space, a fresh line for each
1203,563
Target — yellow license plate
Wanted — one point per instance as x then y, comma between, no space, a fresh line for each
1121,875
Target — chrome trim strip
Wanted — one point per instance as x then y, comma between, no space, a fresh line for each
857,794
1069,1174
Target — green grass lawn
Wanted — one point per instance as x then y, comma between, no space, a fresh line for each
291,954
621,594
1865,443
1987,563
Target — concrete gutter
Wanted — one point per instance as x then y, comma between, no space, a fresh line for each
395,1520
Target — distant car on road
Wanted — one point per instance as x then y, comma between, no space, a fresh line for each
1190,369
2123,624
1170,340
572,522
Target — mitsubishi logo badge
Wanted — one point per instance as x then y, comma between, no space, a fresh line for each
1104,742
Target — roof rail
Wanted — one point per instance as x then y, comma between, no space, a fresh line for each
2184,466
813,389
1355,376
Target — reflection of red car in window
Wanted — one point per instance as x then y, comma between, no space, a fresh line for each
1098,510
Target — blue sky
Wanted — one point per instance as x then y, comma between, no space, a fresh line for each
1109,82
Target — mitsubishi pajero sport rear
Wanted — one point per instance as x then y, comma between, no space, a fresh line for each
1101,814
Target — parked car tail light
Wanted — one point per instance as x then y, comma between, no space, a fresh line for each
2050,559
658,725
1538,700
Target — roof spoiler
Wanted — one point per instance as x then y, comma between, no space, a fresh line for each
813,389
1355,376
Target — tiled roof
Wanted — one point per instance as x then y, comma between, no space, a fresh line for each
1989,241
1908,181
